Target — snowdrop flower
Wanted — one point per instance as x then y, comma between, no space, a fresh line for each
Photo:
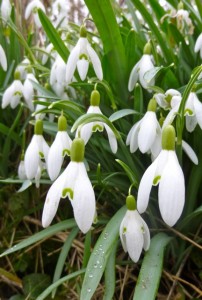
3,59
198,45
49,50
33,7
134,232
28,90
57,77
21,168
23,68
13,93
86,131
36,152
183,21
60,147
146,133
79,58
144,65
6,9
165,171
75,184
60,12
169,99
193,112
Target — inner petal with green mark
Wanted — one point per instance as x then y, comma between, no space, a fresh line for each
83,56
68,192
66,152
188,112
156,180
97,127
41,154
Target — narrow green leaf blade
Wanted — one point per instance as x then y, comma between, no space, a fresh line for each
150,273
100,255
122,113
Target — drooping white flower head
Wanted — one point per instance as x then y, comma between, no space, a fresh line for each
79,58
57,77
146,133
60,147
86,131
33,7
23,68
3,59
36,152
169,99
13,93
60,13
21,168
28,90
75,184
165,171
48,51
138,72
193,112
6,9
184,22
198,45
134,232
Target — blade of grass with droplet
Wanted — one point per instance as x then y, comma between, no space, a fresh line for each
100,255
151,269
41,235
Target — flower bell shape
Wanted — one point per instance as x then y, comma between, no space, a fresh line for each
13,93
5,9
165,171
198,45
75,184
134,232
144,65
36,152
21,168
86,131
60,147
193,112
79,58
3,59
146,133
169,99
33,7
28,90
57,77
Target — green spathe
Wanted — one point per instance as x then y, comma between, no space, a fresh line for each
95,98
62,123
38,128
77,150
131,203
168,138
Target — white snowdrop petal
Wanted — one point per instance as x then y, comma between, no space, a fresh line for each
95,62
198,44
122,234
132,138
55,158
71,63
156,146
171,191
198,110
161,162
112,139
171,116
6,9
3,59
191,123
85,131
21,170
7,95
146,235
190,152
52,201
32,158
147,132
133,77
71,173
83,201
144,66
82,67
29,9
145,187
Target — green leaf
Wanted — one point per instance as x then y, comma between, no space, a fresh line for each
122,113
110,277
34,284
87,118
107,26
151,269
63,255
41,235
100,255
129,172
26,184
53,35
154,72
58,283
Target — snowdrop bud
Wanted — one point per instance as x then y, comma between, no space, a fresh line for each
168,138
131,203
152,105
38,128
95,98
77,150
62,123
147,48
83,32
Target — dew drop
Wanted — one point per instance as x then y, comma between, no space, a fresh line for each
89,290
90,276
95,266
98,262
100,266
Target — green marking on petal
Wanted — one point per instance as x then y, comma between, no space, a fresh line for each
124,229
68,192
41,154
17,93
66,152
156,180
83,56
97,127
188,112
